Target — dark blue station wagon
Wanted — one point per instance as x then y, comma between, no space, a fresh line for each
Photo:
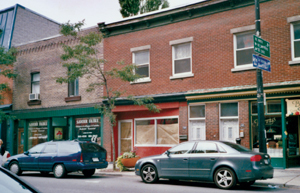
60,157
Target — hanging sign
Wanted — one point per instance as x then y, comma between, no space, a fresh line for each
293,107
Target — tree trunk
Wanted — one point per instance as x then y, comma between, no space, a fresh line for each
113,146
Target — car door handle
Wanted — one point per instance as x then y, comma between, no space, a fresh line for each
185,159
212,159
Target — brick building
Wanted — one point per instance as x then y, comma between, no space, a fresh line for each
20,25
46,110
196,62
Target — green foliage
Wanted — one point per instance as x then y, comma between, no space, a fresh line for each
7,58
135,7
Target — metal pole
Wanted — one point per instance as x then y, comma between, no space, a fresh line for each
260,91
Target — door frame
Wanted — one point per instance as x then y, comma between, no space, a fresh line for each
119,134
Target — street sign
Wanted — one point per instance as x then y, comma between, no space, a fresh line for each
261,46
261,63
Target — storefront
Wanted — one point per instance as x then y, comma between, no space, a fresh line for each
30,129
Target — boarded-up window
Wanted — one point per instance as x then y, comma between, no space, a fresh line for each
157,131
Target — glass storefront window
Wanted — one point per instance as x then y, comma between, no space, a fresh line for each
88,129
37,132
145,131
274,107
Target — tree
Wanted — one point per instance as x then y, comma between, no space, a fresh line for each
7,58
83,60
135,7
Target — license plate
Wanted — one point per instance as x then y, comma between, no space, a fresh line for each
95,159
266,161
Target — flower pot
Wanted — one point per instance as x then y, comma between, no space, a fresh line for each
129,162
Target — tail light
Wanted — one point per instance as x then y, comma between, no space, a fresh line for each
256,158
8,155
81,158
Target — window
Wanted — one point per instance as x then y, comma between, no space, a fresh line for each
229,109
141,58
206,147
157,131
244,49
197,122
295,36
35,83
182,58
73,88
182,148
50,148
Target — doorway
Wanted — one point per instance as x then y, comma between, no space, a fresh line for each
20,140
125,136
293,140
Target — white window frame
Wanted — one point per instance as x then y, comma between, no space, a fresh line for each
34,83
174,43
119,134
138,49
196,119
227,117
235,32
293,20
156,144
76,85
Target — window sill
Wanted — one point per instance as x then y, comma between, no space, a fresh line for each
73,98
35,102
144,80
182,76
243,69
294,62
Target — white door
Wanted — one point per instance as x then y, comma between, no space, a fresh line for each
229,130
197,130
125,136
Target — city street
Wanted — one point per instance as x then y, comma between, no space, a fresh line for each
76,183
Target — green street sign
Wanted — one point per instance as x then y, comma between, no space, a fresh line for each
261,46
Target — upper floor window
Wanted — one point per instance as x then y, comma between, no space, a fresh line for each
244,49
73,88
295,36
35,83
182,58
141,58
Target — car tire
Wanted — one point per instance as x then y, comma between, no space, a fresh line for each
225,178
14,167
59,171
248,183
88,173
149,174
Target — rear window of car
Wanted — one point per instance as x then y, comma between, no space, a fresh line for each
91,147
237,147
68,147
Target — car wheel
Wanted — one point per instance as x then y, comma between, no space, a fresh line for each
15,168
149,174
248,183
59,171
225,178
44,173
88,173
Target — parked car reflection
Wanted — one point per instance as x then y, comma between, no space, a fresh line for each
224,163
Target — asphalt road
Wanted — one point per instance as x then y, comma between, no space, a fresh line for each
76,183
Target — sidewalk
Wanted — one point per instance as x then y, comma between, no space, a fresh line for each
288,178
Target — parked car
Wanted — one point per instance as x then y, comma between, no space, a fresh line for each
223,163
60,157
4,157
12,183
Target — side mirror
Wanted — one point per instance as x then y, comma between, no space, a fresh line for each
168,153
26,152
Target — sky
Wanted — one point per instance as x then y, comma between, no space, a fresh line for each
92,11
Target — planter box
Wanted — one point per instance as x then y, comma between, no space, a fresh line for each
129,162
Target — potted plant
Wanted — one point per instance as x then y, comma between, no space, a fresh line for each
127,160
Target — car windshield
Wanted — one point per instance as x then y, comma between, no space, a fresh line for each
10,185
237,147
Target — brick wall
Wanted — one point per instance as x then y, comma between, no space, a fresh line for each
44,56
31,27
212,50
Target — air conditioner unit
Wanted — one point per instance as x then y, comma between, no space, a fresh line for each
34,96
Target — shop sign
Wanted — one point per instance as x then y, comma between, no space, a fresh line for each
293,107
58,133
